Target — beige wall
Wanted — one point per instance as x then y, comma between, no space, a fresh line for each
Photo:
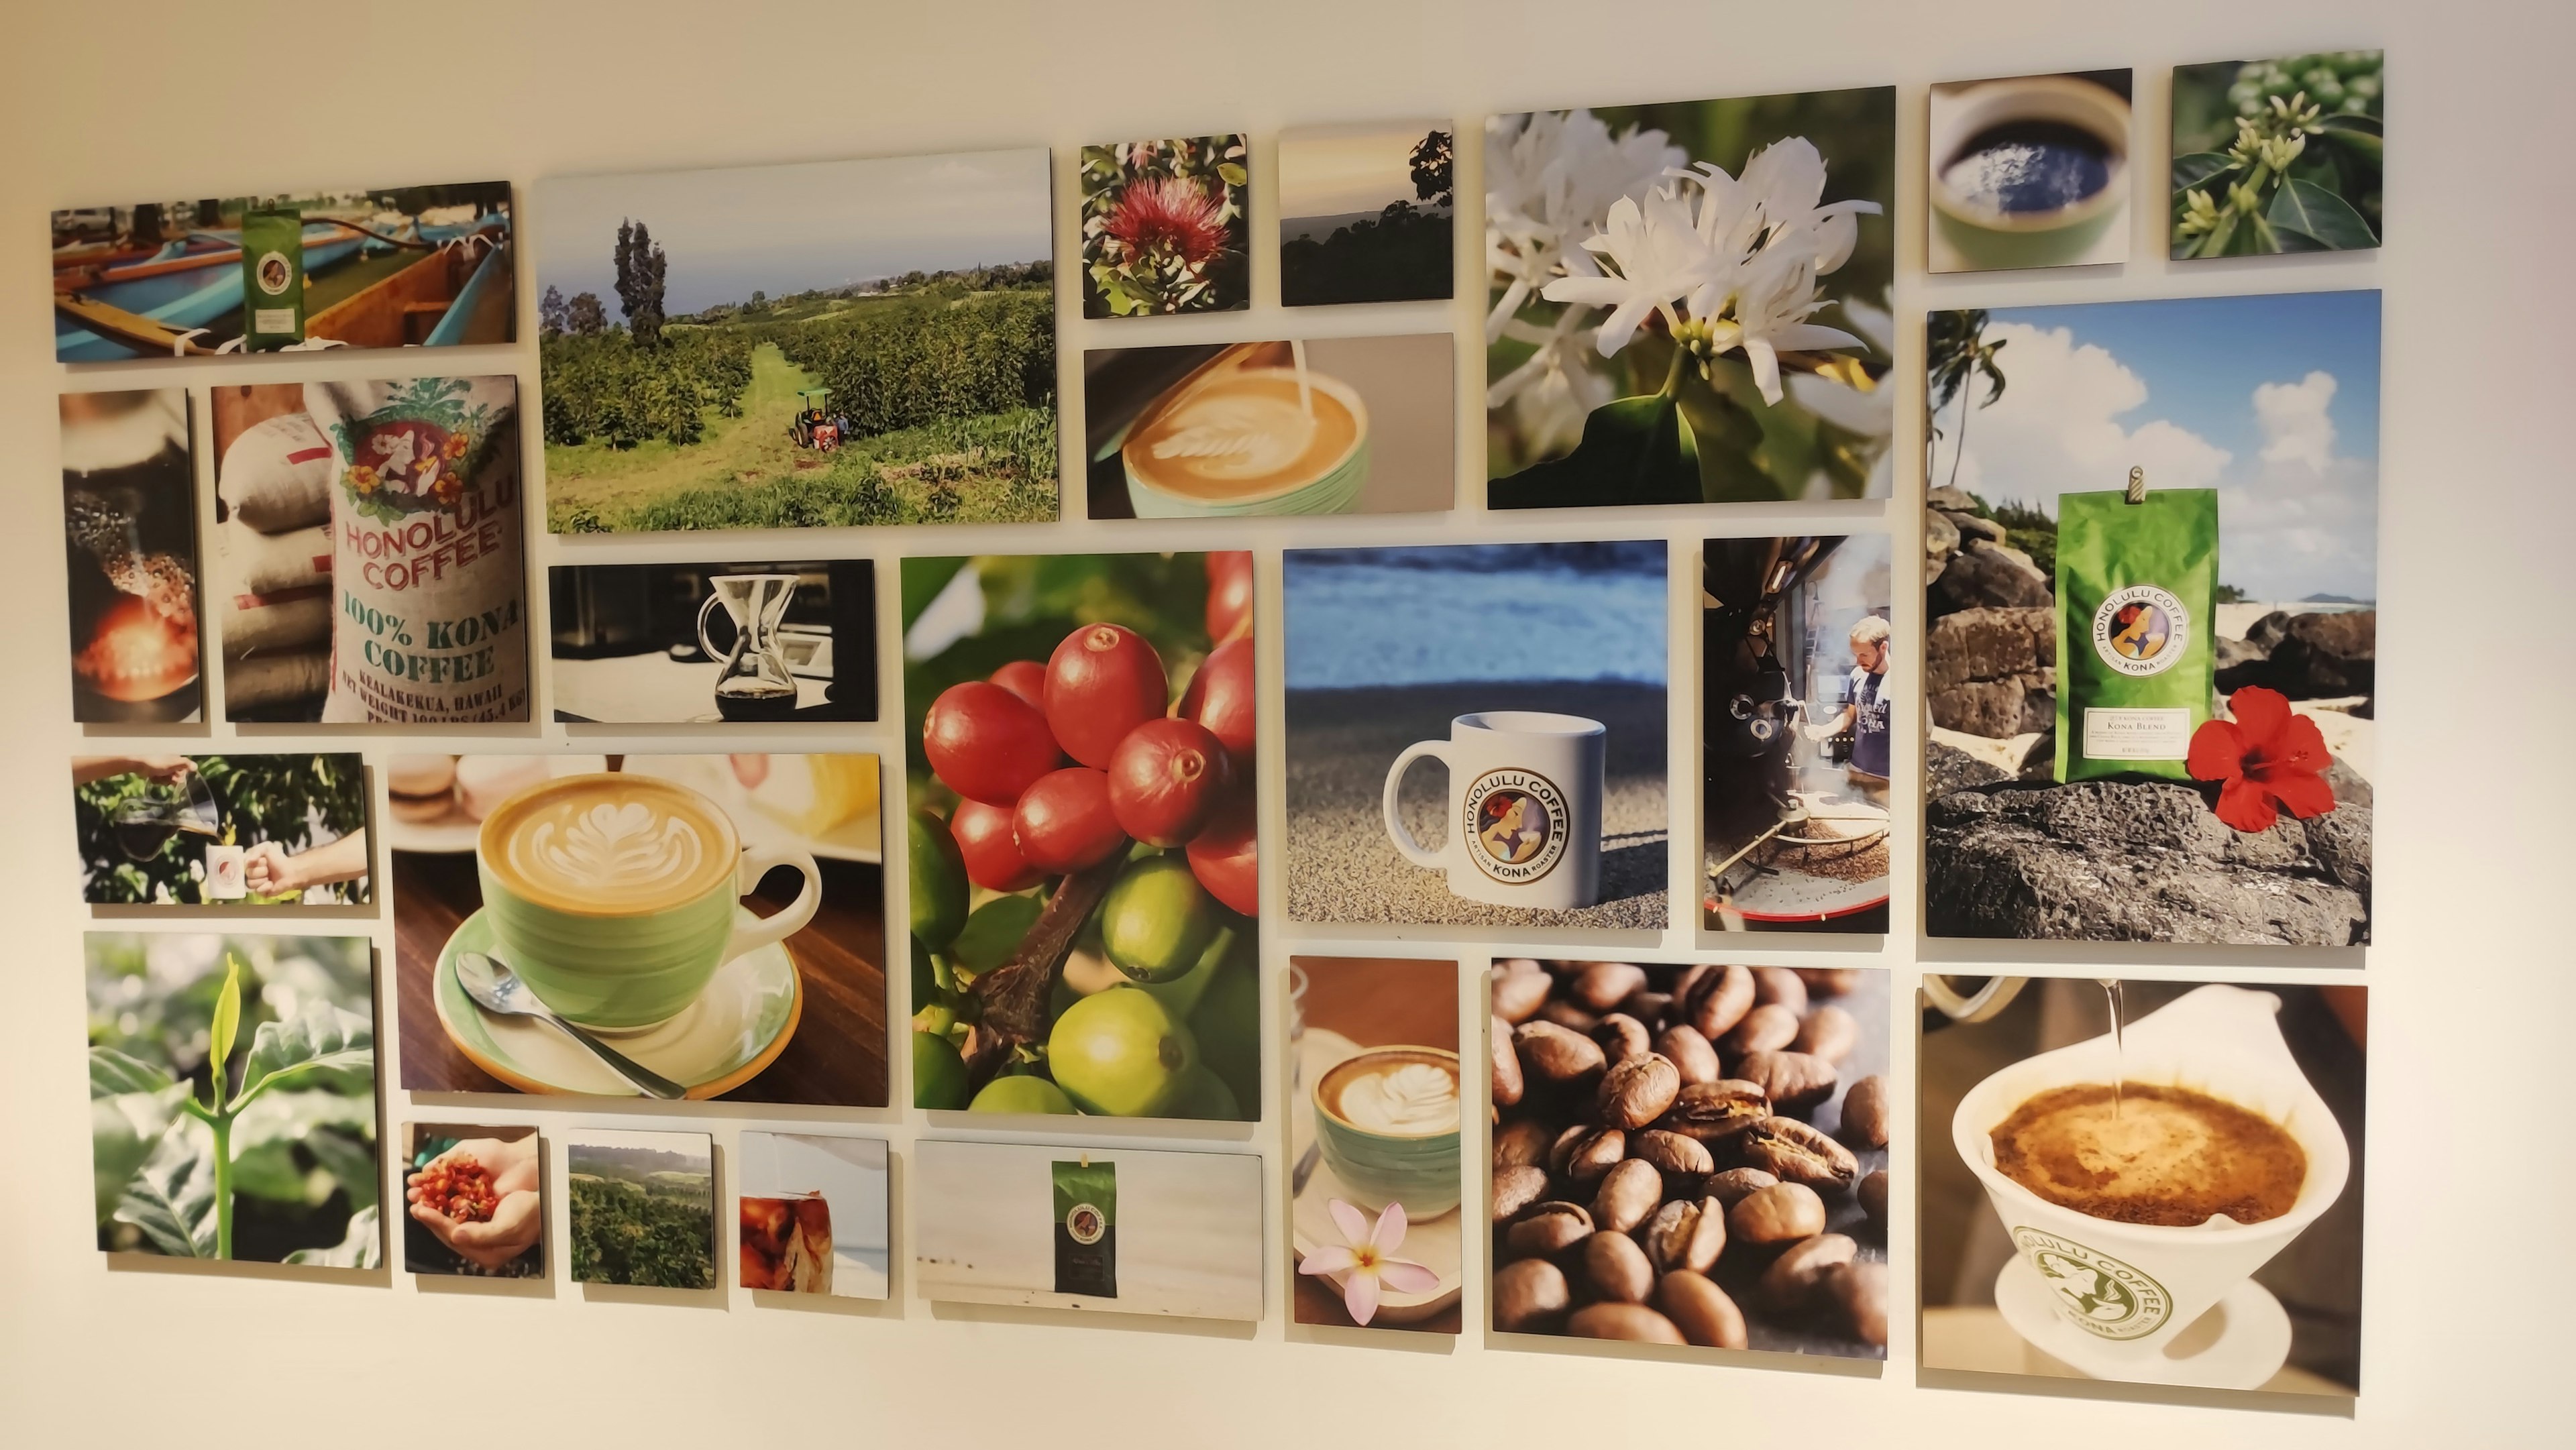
2469,1270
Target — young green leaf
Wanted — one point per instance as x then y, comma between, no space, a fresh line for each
993,932
2312,211
2195,170
123,1132
173,1199
227,1025
360,1248
320,1042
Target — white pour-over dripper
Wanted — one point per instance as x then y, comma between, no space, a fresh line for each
2123,1301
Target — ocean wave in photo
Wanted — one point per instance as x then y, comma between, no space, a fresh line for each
1360,618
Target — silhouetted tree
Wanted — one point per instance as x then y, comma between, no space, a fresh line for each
553,315
640,265
1431,169
586,316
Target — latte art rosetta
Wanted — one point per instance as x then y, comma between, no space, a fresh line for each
1235,435
1244,434
1414,1099
625,846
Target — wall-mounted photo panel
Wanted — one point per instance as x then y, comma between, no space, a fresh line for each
813,1210
1535,675
1114,1229
2278,155
2032,171
473,1200
221,830
705,644
1164,227
1797,722
232,1096
353,266
369,552
2150,1182
1086,896
783,347
1374,1115
130,537
1691,1155
1690,301
715,922
1340,425
1366,213
643,1208
2152,580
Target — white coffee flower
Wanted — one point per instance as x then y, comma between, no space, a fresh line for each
1550,180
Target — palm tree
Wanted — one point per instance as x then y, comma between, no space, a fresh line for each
1958,354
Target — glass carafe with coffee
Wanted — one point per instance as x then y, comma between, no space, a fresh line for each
753,681
145,823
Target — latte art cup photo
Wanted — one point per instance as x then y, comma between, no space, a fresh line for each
1248,440
1388,1124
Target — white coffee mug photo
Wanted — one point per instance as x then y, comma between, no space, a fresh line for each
1525,791
225,878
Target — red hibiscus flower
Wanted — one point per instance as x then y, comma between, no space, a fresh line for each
1173,217
2264,759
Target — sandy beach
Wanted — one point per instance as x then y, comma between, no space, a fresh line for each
1342,868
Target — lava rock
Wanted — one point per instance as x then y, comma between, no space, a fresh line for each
1950,500
1985,574
1992,708
1947,768
2131,860
1987,644
2322,656
1972,527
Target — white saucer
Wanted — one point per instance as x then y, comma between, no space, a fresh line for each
2250,1342
735,1028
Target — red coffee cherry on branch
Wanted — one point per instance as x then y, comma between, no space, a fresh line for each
986,743
1024,678
1222,698
1229,595
1103,681
985,839
1064,823
1226,856
1166,780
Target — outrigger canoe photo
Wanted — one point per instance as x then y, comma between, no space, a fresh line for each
423,266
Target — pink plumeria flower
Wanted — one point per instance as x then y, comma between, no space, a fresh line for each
1366,1259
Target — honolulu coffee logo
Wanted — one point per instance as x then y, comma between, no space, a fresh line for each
1515,824
2141,630
274,273
1086,1224
2104,1295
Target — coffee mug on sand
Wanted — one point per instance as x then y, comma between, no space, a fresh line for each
614,896
1524,808
2121,1292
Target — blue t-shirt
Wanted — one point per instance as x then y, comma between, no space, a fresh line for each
1870,720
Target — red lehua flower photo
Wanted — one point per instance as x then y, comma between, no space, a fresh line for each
2265,759
1169,217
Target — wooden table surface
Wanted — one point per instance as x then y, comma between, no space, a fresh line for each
1379,1002
836,1059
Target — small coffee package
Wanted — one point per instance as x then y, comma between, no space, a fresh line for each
2137,587
272,278
1086,1229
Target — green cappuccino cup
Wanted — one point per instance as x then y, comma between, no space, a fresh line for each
1387,1122
612,896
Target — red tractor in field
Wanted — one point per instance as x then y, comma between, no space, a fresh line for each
815,426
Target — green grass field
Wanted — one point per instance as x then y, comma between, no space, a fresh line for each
746,472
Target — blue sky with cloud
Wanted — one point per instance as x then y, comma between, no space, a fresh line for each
782,229
2271,400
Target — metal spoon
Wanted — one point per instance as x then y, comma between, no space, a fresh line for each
497,989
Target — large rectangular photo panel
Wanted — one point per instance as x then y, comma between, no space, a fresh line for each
2156,1183
716,922
349,266
1536,674
2152,566
1691,1155
1086,892
1118,1230
1689,301
817,345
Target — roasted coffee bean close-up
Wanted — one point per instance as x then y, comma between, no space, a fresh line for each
1691,1154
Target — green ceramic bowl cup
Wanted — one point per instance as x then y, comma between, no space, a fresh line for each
1419,1170
629,966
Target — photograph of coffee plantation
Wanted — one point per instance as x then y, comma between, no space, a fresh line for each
815,345
643,1208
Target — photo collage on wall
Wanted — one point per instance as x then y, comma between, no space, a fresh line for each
647,861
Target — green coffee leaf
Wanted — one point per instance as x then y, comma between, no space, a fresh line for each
173,1199
2314,212
2194,171
123,1132
360,1248
994,932
1634,451
320,1045
113,1074
227,1025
